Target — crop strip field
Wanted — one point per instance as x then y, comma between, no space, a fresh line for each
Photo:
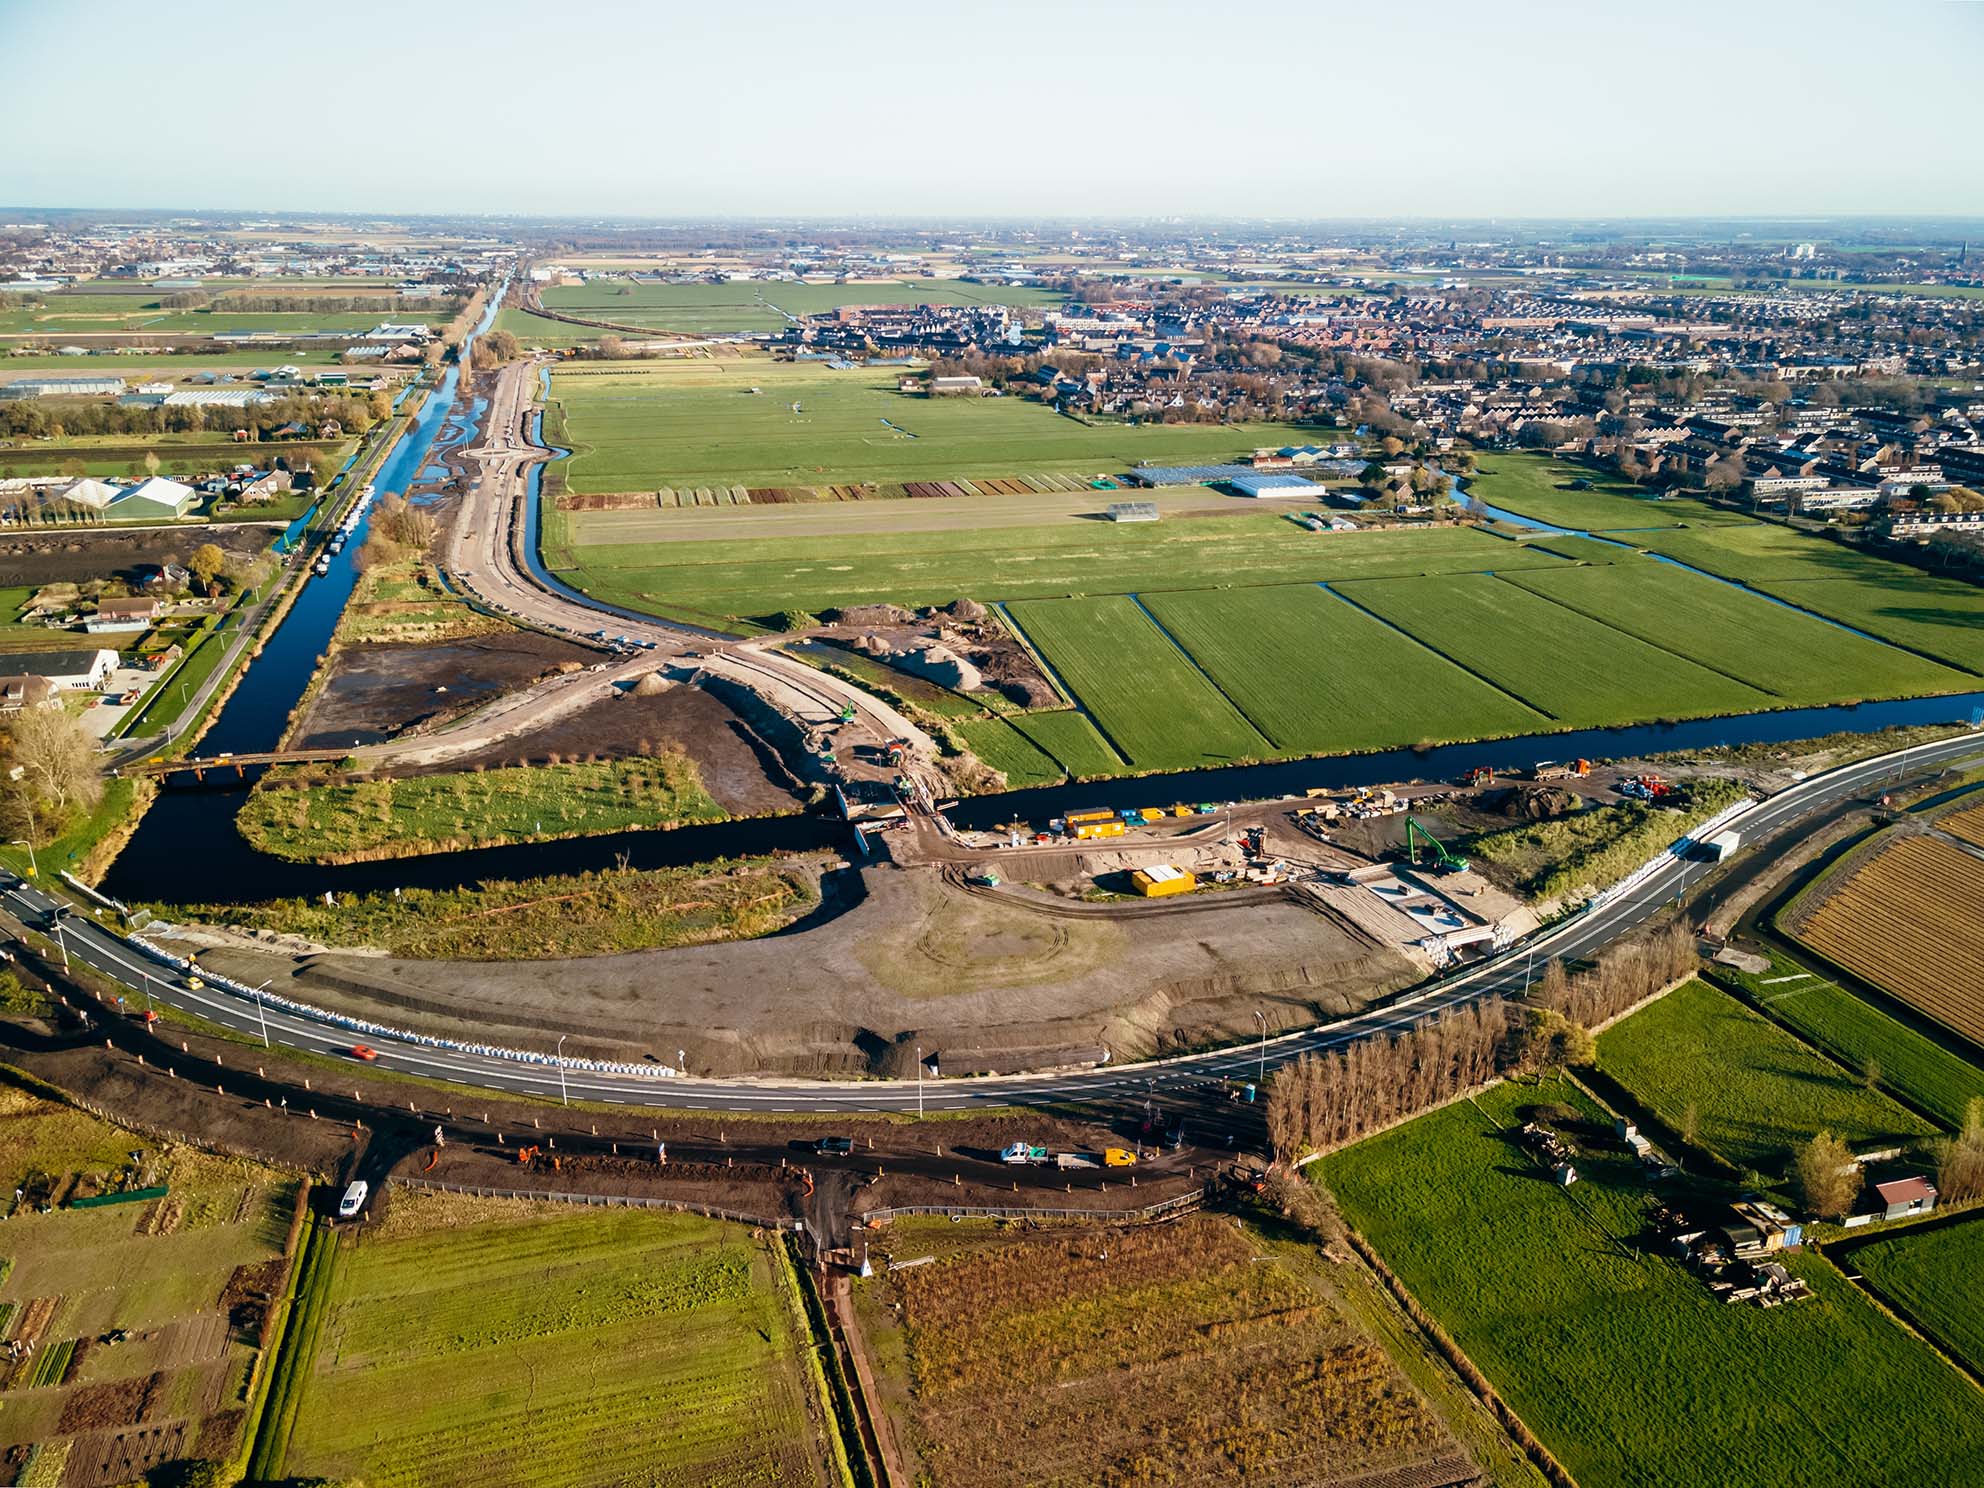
1611,1351
467,1346
1755,1091
1174,1354
1908,922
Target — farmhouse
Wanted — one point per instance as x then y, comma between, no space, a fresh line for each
74,671
20,692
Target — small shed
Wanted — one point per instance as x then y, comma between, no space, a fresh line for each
1903,1198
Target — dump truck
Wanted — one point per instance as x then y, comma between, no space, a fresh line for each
1025,1154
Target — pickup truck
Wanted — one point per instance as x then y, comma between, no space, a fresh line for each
1025,1152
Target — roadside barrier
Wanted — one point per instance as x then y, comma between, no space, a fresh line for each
1182,1204
601,1201
401,1035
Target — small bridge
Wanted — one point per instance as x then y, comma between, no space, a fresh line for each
200,764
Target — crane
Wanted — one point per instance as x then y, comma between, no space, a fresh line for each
1415,833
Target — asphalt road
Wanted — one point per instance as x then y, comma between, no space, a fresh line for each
1581,937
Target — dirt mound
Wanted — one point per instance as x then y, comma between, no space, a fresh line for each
652,685
968,610
1541,803
873,614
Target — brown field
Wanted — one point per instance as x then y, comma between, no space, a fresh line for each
1909,923
1967,824
1179,1354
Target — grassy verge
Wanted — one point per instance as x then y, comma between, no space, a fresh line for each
583,915
1596,846
1932,1273
308,1309
175,690
78,848
830,1388
404,601
308,818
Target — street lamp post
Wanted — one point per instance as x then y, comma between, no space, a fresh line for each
33,870
919,1080
563,1098
61,944
1262,1078
261,1014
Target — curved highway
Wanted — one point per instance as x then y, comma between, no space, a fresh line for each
1583,936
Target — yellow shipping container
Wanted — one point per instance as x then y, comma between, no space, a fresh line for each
1151,814
1099,829
1155,883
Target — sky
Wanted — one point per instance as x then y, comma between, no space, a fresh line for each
1216,108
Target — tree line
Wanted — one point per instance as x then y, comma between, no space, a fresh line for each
1322,1101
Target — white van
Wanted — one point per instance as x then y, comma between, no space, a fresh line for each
353,1200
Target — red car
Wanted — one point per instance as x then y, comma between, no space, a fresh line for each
362,1051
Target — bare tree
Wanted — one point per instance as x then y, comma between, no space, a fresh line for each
59,776
1960,1160
1826,1176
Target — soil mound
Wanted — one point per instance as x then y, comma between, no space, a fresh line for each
652,685
873,614
968,610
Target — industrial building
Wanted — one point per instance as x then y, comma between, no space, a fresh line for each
63,387
1188,475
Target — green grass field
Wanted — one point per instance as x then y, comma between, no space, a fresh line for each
1757,1092
1578,671
466,1343
1153,705
1041,748
436,813
997,743
1862,1036
1533,486
1793,657
1939,617
1933,1274
742,578
1318,676
750,305
1618,1358
697,423
174,694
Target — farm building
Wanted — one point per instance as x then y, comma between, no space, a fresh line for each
1903,1198
1275,485
74,670
121,614
1132,511
156,497
940,385
63,387
1188,475
1161,880
18,692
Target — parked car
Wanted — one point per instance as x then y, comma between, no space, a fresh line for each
353,1200
834,1146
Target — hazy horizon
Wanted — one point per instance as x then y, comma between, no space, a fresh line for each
1280,112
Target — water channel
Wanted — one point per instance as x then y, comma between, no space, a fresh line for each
187,850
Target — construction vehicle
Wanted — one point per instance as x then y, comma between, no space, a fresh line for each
984,879
1025,1153
847,712
1479,775
898,751
1644,787
1560,770
1437,856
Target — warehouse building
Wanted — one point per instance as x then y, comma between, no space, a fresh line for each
1188,475
1292,486
64,387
